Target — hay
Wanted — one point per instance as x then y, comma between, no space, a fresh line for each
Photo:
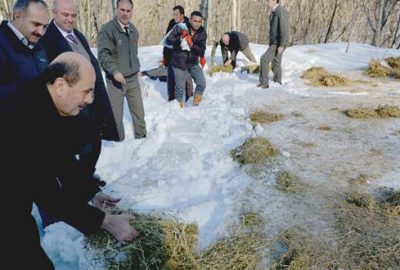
392,203
298,250
388,111
367,237
362,179
286,182
319,76
253,68
360,199
297,114
254,151
325,128
361,113
393,62
252,220
376,69
240,252
162,244
221,68
265,117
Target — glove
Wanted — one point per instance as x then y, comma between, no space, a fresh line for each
202,61
163,62
189,40
184,34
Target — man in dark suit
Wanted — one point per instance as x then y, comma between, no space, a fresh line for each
36,150
96,121
278,40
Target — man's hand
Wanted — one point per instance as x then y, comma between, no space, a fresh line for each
189,40
280,50
228,62
102,201
119,227
119,77
202,61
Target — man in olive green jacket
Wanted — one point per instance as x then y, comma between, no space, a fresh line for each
118,56
278,40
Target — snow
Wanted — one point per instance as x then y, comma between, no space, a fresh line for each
184,167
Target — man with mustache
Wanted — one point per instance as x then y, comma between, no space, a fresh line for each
118,56
21,57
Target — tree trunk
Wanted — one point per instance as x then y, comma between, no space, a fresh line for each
204,11
329,32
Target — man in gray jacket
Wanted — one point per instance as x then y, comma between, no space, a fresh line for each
118,55
278,40
233,42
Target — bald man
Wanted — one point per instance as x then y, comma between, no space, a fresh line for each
35,152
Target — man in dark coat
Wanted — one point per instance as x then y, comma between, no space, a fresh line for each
186,62
233,42
35,151
178,14
21,57
95,122
278,40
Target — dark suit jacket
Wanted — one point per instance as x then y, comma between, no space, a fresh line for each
279,27
34,153
100,112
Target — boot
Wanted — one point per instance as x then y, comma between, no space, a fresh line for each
197,99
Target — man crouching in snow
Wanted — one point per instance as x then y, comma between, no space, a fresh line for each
35,152
186,60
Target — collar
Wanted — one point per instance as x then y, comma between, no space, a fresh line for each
275,7
65,34
122,26
20,36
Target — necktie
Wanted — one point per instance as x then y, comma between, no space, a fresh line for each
126,30
71,38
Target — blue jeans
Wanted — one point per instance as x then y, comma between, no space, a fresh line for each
180,81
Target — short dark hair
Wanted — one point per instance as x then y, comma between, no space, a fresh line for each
196,13
22,5
119,1
69,71
180,8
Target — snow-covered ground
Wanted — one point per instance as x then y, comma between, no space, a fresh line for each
184,167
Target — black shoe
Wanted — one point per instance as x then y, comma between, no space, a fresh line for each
263,86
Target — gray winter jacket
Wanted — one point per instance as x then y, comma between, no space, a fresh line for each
279,27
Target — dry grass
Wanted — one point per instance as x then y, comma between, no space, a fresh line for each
325,128
287,182
319,76
393,62
263,117
254,151
360,199
220,68
362,179
251,68
297,114
376,69
383,111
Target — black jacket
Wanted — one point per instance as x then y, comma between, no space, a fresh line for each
167,52
17,61
237,42
183,59
100,112
34,153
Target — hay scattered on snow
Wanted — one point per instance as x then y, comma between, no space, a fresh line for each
263,117
376,69
221,68
286,182
319,76
384,111
362,179
253,68
254,151
162,244
360,199
325,128
393,62
297,114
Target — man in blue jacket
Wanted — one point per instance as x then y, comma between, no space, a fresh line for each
186,62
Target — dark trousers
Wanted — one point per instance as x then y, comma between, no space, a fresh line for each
171,85
271,55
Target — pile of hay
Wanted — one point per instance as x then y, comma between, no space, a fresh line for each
360,199
298,250
367,237
376,69
325,128
286,182
162,244
393,62
319,76
263,117
221,68
254,151
384,111
392,203
253,68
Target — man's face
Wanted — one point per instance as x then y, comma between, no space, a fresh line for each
177,16
124,12
33,22
272,3
65,15
195,22
225,39
74,98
